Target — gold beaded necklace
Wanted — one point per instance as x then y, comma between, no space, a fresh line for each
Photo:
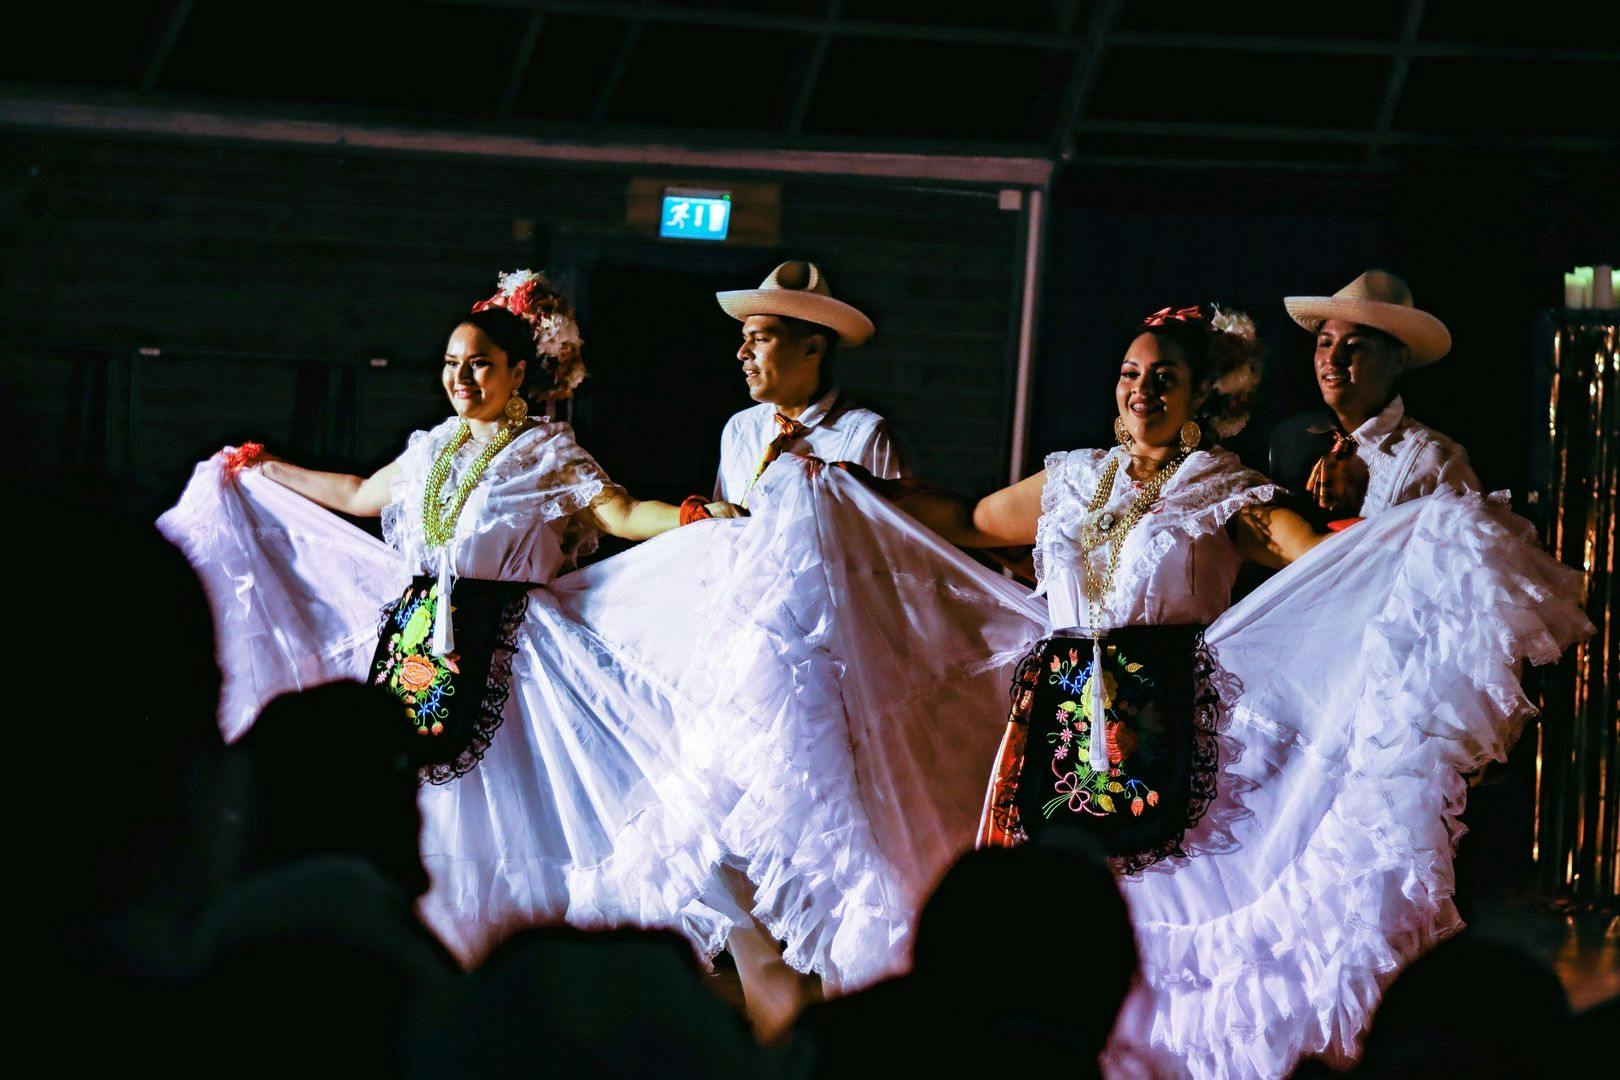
439,520
1106,528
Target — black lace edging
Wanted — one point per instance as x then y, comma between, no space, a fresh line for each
1203,772
491,706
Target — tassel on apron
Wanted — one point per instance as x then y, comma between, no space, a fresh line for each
1110,735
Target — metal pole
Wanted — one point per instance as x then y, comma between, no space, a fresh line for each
1023,386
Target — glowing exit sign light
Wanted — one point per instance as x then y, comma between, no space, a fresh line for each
695,215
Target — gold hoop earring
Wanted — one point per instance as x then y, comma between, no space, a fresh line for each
1122,433
1191,436
517,410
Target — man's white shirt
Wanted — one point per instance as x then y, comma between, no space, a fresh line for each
1407,460
837,433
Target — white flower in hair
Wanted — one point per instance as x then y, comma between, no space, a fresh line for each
532,297
1234,322
1236,386
1244,378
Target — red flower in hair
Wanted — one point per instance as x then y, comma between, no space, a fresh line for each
522,300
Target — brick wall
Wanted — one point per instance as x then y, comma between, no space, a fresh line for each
269,278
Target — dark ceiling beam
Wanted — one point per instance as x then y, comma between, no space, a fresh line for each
812,71
813,26
1211,164
1366,47
621,64
128,116
520,63
1398,69
1347,136
796,24
1086,67
165,45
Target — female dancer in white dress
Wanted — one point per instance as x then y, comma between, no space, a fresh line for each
568,810
1354,691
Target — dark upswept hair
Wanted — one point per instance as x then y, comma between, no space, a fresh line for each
512,333
1225,356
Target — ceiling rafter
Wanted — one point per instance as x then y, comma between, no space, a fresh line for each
621,64
520,62
1364,47
165,45
1346,136
1086,67
812,72
1398,69
811,25
815,25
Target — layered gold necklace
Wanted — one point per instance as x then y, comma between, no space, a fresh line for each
438,516
1106,528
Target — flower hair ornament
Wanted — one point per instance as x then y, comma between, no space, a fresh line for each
532,298
1235,364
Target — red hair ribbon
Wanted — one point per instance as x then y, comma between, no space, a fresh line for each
523,301
1196,313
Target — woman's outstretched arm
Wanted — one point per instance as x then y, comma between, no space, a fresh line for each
358,496
1273,535
1002,519
642,519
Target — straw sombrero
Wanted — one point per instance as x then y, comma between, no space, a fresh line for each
798,290
1381,300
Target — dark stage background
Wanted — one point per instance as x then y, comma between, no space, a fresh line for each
1483,250
199,245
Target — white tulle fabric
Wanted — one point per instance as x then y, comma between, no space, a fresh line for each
296,591
853,672
1358,687
1176,566
576,811
816,693
851,678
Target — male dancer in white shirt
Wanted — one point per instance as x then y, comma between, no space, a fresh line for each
792,329
792,326
1363,453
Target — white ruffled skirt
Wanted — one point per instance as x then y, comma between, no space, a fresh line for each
816,695
854,686
580,810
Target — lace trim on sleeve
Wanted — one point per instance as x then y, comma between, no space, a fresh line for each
1050,501
1063,506
1212,501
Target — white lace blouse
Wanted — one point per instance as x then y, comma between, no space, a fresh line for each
517,524
1178,564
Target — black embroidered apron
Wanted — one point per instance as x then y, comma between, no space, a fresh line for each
1158,725
453,702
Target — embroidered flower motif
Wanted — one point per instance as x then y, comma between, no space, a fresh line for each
1110,687
1078,787
417,673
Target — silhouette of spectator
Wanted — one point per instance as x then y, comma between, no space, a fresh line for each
1021,955
124,645
1470,1007
114,746
600,1005
315,955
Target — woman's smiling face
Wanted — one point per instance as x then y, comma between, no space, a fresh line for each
478,376
1155,393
